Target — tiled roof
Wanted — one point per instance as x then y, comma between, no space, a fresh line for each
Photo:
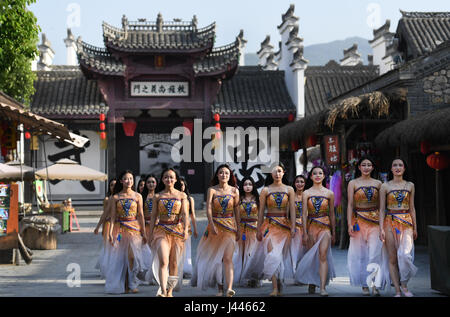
332,80
64,90
423,31
99,60
220,60
254,91
143,36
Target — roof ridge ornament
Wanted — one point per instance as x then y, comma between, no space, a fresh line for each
194,22
159,23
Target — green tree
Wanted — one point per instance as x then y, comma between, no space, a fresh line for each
19,36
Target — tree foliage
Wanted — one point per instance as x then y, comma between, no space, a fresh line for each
19,36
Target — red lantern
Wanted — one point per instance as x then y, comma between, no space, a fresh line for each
312,141
291,117
102,126
102,135
189,126
102,117
295,146
424,147
217,126
437,161
129,126
217,117
27,135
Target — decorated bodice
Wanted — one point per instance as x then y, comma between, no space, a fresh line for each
223,205
248,210
298,209
398,199
277,200
148,205
169,208
318,206
127,208
366,197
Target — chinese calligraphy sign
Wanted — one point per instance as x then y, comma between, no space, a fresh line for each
159,89
332,152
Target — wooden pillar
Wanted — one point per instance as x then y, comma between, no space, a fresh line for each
343,239
305,157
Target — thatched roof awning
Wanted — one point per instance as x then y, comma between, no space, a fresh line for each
376,105
301,129
432,126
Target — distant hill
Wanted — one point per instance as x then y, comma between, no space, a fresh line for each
320,54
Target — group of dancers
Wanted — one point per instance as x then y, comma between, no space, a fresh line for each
283,234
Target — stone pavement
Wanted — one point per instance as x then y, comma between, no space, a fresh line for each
51,272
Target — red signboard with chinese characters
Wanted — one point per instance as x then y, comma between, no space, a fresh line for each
332,153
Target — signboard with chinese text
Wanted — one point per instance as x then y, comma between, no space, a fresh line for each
159,89
332,153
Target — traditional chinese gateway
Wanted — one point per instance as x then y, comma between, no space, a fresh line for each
150,78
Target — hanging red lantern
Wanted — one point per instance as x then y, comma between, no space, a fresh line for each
424,147
291,117
216,117
437,161
217,126
129,126
27,135
189,126
102,117
102,135
311,141
102,126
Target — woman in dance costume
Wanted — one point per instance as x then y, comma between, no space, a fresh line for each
127,238
105,217
187,267
104,221
399,228
250,252
316,268
147,195
297,247
278,227
168,232
214,260
141,185
363,225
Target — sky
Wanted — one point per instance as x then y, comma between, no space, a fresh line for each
319,21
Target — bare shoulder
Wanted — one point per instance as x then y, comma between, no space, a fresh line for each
384,186
183,195
411,185
138,196
290,189
330,193
378,183
264,191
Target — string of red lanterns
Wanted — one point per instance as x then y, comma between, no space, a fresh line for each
217,125
102,118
